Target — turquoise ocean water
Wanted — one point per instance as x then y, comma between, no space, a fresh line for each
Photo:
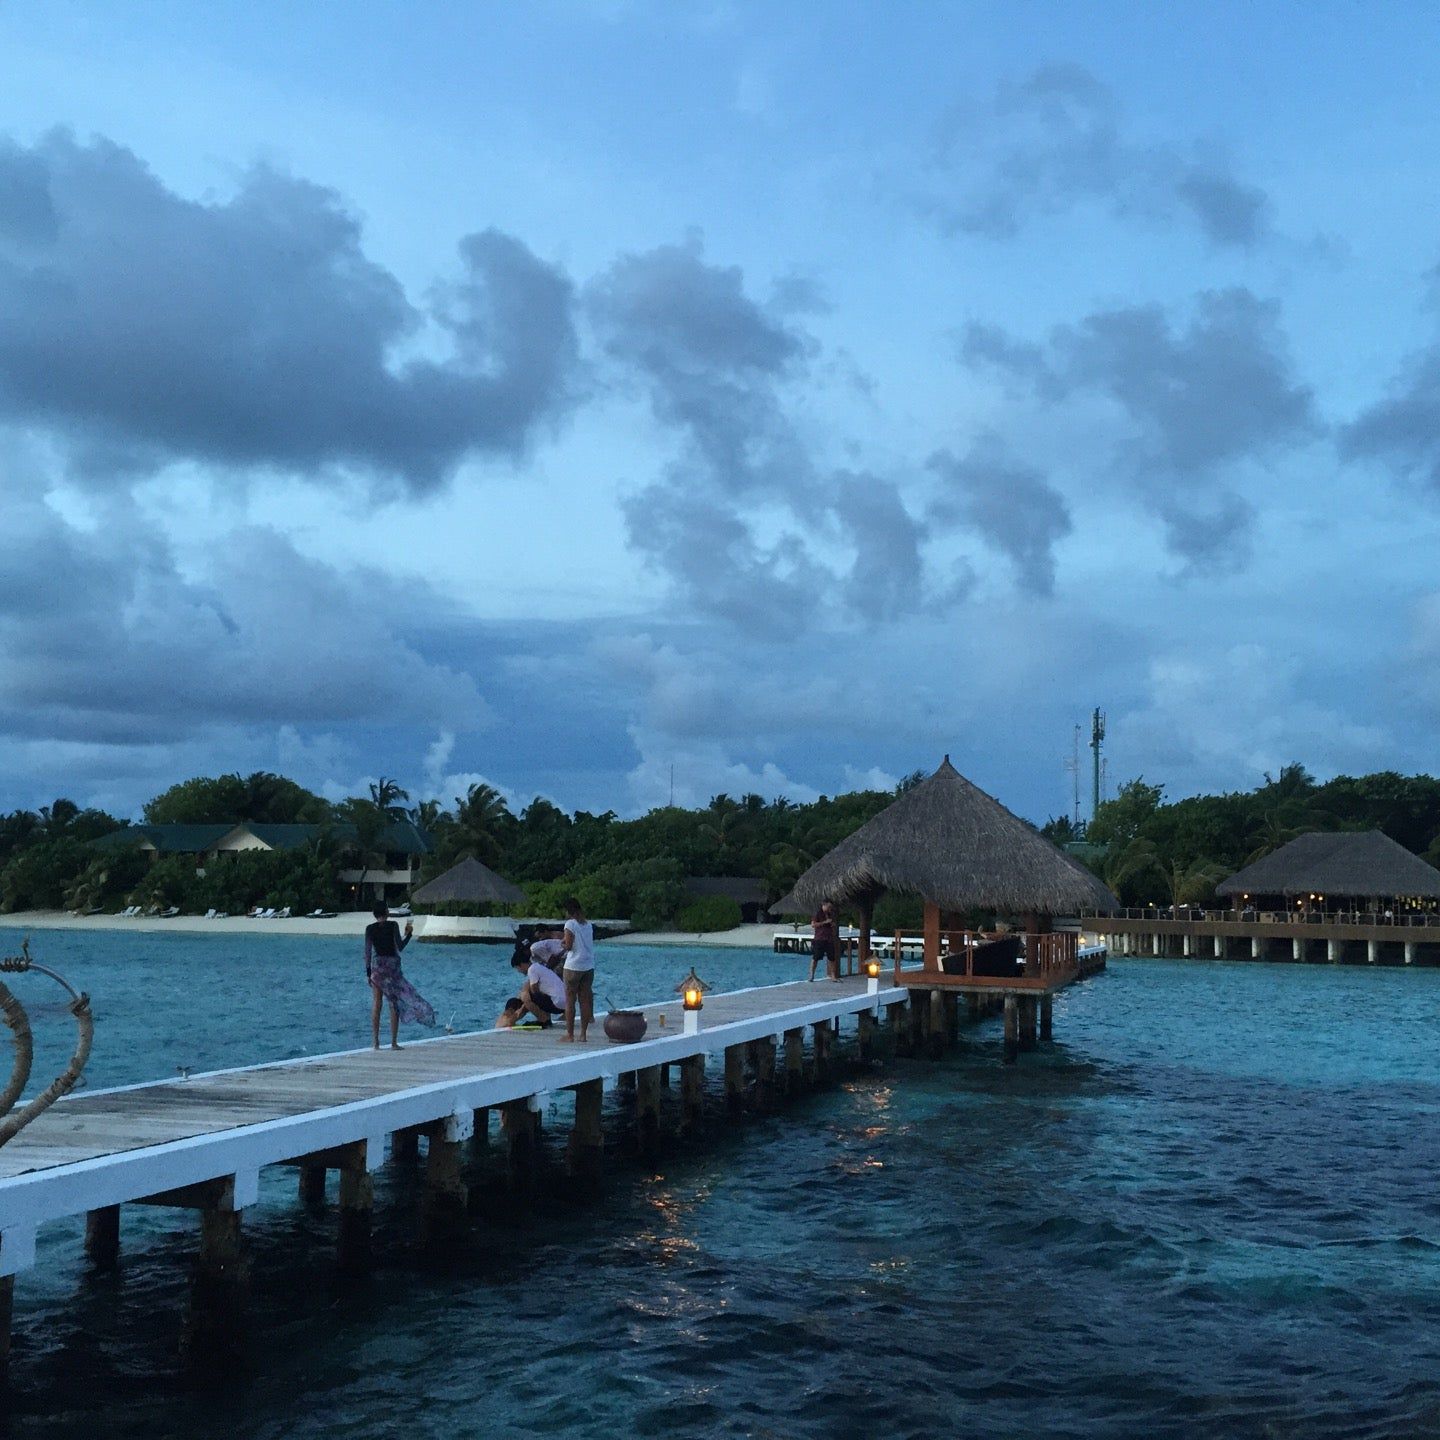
1211,1209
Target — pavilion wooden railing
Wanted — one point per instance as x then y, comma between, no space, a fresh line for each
1045,957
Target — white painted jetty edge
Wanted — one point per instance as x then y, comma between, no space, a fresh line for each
32,1199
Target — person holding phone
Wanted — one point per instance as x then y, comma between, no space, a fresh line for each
383,944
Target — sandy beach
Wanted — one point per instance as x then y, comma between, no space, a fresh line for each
348,924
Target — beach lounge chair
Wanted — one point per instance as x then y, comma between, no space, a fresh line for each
210,913
283,914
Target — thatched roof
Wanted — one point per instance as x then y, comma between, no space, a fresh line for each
954,845
469,882
1347,862
789,905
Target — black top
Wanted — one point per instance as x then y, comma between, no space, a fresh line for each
384,937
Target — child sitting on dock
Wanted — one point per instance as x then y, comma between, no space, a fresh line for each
513,1016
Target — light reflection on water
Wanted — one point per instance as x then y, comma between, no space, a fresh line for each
1210,1209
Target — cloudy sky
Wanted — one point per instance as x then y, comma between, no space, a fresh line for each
558,394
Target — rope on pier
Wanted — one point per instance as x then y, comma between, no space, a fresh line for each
14,1016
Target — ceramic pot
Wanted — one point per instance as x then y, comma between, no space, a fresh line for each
625,1027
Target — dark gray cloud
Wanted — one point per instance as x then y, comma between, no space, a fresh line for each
105,638
1057,139
1403,430
1198,401
1011,504
716,367
254,331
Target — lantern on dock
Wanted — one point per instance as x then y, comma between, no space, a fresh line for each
692,997
872,976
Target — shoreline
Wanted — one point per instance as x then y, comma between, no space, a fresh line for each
348,925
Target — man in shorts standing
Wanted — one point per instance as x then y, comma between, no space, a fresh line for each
825,932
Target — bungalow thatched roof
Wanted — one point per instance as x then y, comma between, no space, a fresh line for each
1346,862
469,882
954,845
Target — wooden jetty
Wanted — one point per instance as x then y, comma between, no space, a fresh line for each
199,1143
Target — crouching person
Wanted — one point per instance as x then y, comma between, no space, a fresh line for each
542,993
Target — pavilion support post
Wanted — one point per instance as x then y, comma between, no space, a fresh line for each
931,952
936,1029
585,1152
1027,1019
1333,951
1047,1019
518,1125
692,1093
1409,952
1254,947
973,1008
1372,951
1219,947
823,1036
867,919
952,1018
794,1061
916,1030
1012,1029
865,1037
312,1186
102,1237
895,1025
763,1059
734,1078
1297,948
215,1324
1185,946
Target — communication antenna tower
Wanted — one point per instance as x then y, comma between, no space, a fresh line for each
1097,737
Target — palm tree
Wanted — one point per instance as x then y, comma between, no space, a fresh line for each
1130,862
383,795
481,819
1191,882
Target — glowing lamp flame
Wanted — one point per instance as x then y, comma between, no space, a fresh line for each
692,991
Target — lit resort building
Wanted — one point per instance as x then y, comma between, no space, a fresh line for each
402,844
1332,896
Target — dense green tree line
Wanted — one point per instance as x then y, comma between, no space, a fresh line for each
1147,849
1143,846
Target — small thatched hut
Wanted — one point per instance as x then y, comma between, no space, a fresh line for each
958,849
469,883
1348,864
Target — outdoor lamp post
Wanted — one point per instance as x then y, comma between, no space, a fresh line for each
872,974
692,997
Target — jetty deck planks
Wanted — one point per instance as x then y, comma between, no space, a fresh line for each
108,1147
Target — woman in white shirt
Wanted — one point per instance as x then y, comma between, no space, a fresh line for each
579,970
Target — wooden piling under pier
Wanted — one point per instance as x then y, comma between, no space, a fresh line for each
201,1142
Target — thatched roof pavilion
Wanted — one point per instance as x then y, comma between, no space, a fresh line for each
469,883
1353,863
958,848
